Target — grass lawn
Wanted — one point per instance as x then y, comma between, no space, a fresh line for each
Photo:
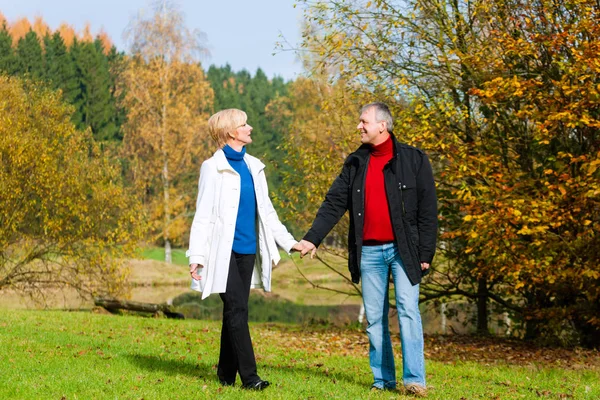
82,355
158,254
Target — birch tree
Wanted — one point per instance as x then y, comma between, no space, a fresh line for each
168,100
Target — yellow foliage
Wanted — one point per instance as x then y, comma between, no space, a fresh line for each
507,106
169,101
65,217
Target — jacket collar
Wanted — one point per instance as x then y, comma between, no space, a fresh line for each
364,151
222,163
254,164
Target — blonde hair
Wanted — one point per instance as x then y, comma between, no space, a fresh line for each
222,125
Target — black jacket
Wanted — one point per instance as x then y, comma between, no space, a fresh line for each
410,190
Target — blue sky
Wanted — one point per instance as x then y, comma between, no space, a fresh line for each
239,32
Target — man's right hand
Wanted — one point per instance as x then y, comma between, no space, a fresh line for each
194,271
308,247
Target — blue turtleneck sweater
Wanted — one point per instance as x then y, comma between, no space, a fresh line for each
244,240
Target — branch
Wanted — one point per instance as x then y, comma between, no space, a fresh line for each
316,286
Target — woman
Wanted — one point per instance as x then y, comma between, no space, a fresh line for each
233,240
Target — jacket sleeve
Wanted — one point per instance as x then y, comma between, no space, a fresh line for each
282,236
198,250
332,209
427,211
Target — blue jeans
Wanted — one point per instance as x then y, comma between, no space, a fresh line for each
376,265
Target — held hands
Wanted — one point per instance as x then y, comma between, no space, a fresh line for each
306,248
303,247
194,271
425,266
297,247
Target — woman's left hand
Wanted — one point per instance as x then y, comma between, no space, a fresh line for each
194,271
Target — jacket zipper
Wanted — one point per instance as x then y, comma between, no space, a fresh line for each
399,184
401,197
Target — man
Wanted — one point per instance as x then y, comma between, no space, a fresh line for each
389,190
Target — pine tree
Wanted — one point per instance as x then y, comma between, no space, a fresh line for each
8,59
30,56
94,103
116,65
60,69
223,82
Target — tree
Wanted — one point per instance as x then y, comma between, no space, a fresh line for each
60,68
19,29
416,55
168,100
30,56
503,96
95,103
66,219
543,95
8,60
80,68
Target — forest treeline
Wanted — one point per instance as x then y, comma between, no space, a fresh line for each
502,95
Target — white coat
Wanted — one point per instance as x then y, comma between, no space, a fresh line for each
213,228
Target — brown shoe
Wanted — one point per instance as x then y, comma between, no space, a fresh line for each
416,390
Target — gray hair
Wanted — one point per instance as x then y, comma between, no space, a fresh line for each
382,113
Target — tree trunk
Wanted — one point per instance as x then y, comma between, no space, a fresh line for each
167,211
443,321
166,182
482,310
361,313
168,254
113,305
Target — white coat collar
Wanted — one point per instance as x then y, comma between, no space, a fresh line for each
254,164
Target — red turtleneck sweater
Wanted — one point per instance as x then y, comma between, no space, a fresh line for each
378,225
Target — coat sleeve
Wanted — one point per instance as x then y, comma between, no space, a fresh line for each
332,209
427,211
199,248
283,237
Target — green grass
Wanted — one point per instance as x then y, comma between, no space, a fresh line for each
158,254
78,355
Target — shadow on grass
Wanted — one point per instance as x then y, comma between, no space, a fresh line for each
206,371
172,367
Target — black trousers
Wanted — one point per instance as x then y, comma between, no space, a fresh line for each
237,354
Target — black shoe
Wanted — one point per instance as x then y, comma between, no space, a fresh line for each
225,383
258,385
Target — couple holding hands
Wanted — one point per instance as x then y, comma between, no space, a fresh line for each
389,191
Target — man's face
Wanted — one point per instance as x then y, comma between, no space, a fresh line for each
371,131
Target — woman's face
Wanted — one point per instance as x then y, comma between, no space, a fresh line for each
242,134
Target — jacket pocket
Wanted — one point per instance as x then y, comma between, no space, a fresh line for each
412,239
408,196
